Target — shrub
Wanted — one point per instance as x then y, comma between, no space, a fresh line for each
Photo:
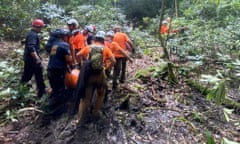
16,17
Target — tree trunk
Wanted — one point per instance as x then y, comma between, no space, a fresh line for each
163,41
176,7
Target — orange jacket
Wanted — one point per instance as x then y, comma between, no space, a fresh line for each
115,48
77,41
164,29
121,39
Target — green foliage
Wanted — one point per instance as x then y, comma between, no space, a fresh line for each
104,20
171,76
11,115
212,29
142,39
159,71
144,73
70,4
235,66
16,17
49,12
227,141
140,116
226,113
198,117
10,74
209,138
210,10
16,94
151,25
218,94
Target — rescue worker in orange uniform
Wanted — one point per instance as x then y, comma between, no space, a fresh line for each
93,78
119,54
125,43
164,27
77,40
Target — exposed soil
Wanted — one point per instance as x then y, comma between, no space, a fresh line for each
6,48
142,111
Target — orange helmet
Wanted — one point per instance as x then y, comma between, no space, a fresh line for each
38,23
71,78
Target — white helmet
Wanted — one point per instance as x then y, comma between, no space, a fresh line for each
116,27
73,22
100,34
89,28
164,22
110,33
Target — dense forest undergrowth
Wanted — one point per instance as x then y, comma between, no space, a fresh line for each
201,106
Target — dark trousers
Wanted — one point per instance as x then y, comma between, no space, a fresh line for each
58,99
30,69
56,78
119,70
108,72
123,72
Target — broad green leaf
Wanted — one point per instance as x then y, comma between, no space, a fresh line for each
237,62
209,138
227,112
5,93
209,78
220,93
211,95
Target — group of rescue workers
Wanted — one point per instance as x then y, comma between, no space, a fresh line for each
92,53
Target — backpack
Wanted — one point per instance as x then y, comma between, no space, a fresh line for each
96,57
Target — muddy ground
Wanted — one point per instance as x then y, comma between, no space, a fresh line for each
142,111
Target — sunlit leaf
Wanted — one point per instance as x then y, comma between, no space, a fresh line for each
227,112
209,78
5,92
227,141
237,62
223,57
211,95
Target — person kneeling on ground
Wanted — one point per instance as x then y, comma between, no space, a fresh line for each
93,75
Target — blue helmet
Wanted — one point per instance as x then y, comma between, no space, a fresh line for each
60,33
